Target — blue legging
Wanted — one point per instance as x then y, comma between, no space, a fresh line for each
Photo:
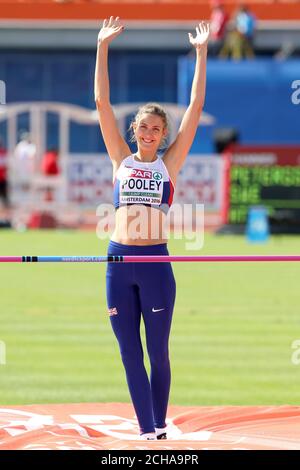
148,289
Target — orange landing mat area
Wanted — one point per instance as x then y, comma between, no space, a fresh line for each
113,426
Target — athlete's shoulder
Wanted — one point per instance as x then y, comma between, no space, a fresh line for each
164,166
126,162
127,159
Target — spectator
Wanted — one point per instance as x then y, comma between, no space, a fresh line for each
218,23
49,166
3,173
245,26
239,39
25,153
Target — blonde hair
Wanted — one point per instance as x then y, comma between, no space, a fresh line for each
155,109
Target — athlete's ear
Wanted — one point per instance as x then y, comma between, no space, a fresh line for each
164,136
165,131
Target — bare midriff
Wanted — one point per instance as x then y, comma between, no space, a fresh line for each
139,225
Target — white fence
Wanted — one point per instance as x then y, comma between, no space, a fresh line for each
86,181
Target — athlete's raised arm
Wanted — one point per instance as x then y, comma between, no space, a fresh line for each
116,146
178,150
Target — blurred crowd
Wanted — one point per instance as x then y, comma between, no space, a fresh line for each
25,166
3,174
232,37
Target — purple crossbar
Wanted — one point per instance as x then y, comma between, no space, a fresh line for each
147,259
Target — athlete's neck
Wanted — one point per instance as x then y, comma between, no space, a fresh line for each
144,157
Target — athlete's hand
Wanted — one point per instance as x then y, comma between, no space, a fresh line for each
202,35
110,30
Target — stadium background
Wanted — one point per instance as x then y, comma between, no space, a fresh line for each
54,61
234,326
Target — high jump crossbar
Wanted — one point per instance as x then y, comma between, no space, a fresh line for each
147,259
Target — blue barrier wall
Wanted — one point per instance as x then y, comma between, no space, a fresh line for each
69,77
252,96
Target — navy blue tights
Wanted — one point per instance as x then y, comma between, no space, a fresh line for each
148,290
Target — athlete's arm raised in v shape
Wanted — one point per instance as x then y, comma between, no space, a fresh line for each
178,150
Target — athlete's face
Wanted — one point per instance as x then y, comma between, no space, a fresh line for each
149,131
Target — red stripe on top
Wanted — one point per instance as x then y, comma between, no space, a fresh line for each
170,200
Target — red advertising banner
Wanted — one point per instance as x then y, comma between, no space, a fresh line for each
265,155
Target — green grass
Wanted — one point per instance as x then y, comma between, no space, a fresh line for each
231,336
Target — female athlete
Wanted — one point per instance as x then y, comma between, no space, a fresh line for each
143,186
